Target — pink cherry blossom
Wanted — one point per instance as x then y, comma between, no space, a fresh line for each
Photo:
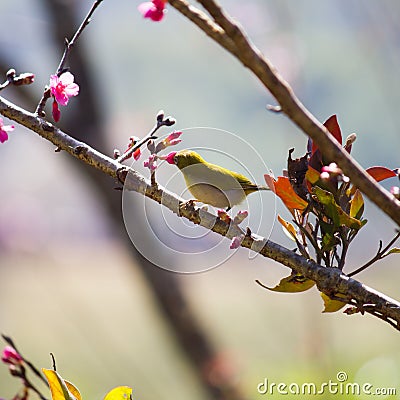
3,131
11,356
153,10
63,87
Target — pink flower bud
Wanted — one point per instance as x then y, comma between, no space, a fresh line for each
395,190
56,111
173,138
11,356
136,154
3,131
236,242
24,79
223,216
324,175
332,168
240,217
150,163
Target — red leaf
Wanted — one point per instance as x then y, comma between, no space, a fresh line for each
333,127
381,173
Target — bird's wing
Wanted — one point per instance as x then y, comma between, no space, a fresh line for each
237,181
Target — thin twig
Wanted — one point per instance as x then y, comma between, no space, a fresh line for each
4,85
10,342
21,371
378,256
68,46
345,247
53,361
160,122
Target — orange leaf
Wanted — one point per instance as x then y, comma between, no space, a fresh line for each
290,198
381,173
288,228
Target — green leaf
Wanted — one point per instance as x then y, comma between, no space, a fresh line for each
59,388
334,211
394,250
357,205
293,284
328,242
119,393
332,305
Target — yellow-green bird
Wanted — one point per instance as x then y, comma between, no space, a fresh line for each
210,183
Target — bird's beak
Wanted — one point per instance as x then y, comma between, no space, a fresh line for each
170,158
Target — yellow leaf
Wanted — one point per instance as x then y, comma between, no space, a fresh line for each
332,305
74,390
356,205
288,228
312,175
119,393
60,390
293,284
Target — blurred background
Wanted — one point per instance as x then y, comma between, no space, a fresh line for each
73,284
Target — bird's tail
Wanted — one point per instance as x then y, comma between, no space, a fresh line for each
260,187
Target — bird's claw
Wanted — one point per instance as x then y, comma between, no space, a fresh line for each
188,205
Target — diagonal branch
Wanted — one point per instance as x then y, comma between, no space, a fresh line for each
330,281
233,38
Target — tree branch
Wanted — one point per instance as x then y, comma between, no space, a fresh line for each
227,32
329,280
